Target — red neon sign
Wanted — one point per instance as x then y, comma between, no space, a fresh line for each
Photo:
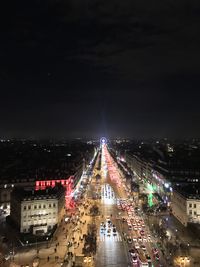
67,183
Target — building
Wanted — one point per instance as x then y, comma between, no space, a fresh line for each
37,211
7,186
33,164
186,204
165,166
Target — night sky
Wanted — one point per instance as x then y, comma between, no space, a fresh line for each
87,68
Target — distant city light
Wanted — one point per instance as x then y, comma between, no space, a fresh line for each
103,141
166,185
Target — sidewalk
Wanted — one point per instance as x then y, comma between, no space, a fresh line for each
52,253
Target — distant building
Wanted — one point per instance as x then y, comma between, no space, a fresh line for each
165,166
6,187
186,204
34,165
37,212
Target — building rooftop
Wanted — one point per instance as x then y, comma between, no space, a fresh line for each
49,193
26,160
189,191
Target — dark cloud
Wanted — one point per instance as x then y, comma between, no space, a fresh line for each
100,67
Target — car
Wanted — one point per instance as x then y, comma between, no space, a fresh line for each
129,240
139,239
108,234
144,239
109,221
155,251
137,246
148,258
135,239
149,239
134,258
142,232
133,251
157,257
143,247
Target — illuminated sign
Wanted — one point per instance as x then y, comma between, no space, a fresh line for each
66,183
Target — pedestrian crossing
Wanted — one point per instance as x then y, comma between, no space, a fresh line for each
107,194
104,238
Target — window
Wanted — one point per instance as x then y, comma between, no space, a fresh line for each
190,205
54,205
195,213
195,205
29,207
190,212
39,206
44,206
24,207
35,207
49,205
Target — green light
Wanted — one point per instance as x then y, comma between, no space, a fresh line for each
150,200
